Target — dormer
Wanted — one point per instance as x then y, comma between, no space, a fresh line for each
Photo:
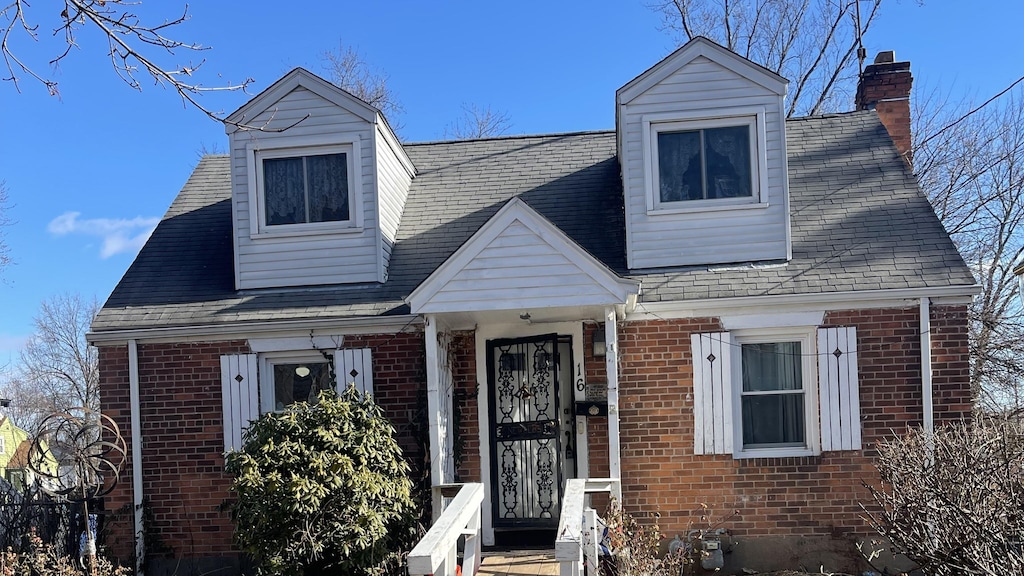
318,181
701,138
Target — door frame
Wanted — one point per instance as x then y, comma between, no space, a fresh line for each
487,332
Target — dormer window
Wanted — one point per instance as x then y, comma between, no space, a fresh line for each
305,189
304,186
704,163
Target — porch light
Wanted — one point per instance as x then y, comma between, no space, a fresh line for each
599,346
302,371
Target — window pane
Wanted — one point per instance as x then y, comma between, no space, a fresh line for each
283,194
773,419
772,366
328,188
727,157
299,382
679,169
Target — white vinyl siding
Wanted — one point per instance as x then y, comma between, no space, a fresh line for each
708,235
354,366
831,404
393,181
839,393
517,269
238,396
336,257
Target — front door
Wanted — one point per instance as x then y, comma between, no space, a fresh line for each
527,468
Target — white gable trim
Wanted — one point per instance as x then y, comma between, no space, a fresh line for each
292,80
516,210
687,53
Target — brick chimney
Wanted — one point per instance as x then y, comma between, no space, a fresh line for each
885,87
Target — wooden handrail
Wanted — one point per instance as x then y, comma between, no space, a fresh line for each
435,552
575,521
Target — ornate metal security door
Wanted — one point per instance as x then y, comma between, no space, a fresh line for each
526,476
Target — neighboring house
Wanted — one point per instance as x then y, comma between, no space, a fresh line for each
15,448
716,305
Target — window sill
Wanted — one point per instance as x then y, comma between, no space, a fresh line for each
704,206
787,452
303,231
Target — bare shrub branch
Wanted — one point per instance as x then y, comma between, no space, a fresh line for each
953,502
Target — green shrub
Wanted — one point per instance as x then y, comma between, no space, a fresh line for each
323,488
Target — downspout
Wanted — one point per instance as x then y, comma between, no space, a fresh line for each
928,421
136,425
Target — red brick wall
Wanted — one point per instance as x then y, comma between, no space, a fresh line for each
886,88
182,431
804,496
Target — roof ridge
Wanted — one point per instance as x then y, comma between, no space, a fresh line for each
510,137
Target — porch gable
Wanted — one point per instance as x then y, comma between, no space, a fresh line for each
519,259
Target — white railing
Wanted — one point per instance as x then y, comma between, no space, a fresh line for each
576,544
436,552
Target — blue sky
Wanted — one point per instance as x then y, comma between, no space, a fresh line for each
91,172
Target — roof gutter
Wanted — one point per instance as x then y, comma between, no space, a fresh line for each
848,300
244,330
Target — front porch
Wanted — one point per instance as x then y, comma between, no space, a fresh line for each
457,527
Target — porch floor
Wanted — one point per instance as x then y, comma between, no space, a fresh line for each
519,563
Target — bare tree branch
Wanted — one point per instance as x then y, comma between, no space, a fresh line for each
5,252
133,46
348,70
478,122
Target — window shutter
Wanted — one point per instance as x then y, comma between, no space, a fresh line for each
712,393
837,381
353,366
239,396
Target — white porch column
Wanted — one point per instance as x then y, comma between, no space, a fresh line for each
611,362
439,404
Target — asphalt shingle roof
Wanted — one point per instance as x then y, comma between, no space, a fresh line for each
859,222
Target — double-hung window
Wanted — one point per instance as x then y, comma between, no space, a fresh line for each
773,395
303,190
775,392
710,163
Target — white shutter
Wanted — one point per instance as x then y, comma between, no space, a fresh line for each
838,388
712,393
239,396
353,366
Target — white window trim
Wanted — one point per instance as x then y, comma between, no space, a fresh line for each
807,336
653,124
284,147
266,372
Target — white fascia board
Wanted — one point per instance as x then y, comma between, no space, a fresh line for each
290,81
247,330
822,301
518,210
687,53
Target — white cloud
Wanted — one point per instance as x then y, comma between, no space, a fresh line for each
120,235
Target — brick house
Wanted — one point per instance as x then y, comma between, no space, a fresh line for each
712,303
